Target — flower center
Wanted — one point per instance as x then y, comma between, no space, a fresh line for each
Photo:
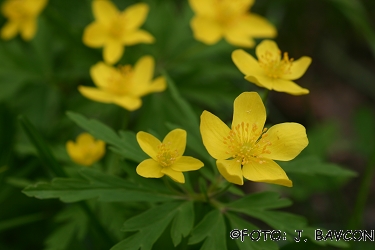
275,67
165,156
227,13
117,28
120,84
243,143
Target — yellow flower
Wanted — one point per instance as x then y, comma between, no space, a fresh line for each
124,85
87,150
113,29
22,18
229,19
166,156
247,150
271,71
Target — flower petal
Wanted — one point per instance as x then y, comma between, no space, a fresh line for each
158,85
138,36
177,176
104,11
85,139
205,30
113,51
34,7
204,8
143,71
261,81
9,30
187,163
148,143
268,171
213,132
135,15
230,170
150,169
257,26
249,108
288,87
287,141
75,153
246,63
268,46
96,94
299,68
238,37
130,103
101,74
176,140
28,29
95,35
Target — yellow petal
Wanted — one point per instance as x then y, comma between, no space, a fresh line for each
34,7
268,46
204,8
261,80
113,51
95,35
135,15
230,170
249,108
101,74
287,141
176,140
206,30
96,94
213,131
9,30
187,163
288,87
238,37
137,36
177,176
257,26
28,29
247,64
130,103
268,171
143,71
299,68
158,85
85,139
75,153
148,143
98,150
104,11
149,169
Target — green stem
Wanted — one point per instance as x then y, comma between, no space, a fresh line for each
364,190
265,96
222,191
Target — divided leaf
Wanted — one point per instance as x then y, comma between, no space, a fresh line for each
212,230
95,184
183,222
150,225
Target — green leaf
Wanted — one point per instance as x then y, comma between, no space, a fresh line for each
20,221
364,122
241,224
212,230
150,225
259,202
95,184
183,222
126,145
312,165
